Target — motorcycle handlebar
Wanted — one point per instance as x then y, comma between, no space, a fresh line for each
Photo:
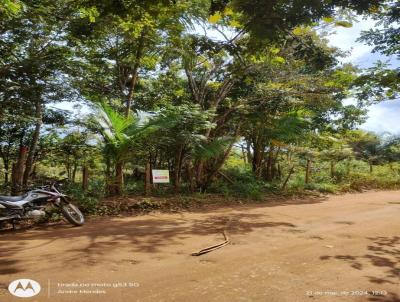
53,185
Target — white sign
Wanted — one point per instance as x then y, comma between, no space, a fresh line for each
24,288
160,176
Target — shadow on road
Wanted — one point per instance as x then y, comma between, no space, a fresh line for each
383,252
8,264
147,235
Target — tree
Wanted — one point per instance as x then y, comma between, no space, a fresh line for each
391,149
336,154
287,98
73,151
180,137
12,132
118,134
117,42
309,155
34,58
367,146
272,19
384,39
377,83
381,82
174,98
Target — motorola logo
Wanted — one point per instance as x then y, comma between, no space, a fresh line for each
24,288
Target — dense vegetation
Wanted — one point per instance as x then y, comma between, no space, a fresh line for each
233,97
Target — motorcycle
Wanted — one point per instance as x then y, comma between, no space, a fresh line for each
36,203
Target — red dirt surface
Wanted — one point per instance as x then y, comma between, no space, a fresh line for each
337,248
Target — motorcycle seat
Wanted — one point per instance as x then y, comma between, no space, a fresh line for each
12,198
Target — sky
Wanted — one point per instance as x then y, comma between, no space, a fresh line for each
382,117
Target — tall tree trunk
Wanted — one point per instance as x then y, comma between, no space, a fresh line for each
248,151
74,172
308,171
85,178
333,172
371,168
34,172
6,170
291,170
200,174
217,167
177,170
258,157
119,177
34,141
109,178
147,179
275,165
6,165
68,167
134,73
190,177
108,167
18,171
269,164
279,171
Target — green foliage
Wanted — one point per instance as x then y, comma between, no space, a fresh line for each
118,132
322,187
207,150
266,19
134,187
366,146
10,8
88,201
384,39
164,95
360,182
244,185
146,205
382,80
181,125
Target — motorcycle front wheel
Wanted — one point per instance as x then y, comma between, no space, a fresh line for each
72,214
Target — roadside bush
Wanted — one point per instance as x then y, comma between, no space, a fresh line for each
96,188
363,181
88,205
296,183
134,187
87,201
242,184
146,205
323,187
340,174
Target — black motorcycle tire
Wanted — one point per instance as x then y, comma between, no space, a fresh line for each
66,208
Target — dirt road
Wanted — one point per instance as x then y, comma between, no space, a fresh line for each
340,248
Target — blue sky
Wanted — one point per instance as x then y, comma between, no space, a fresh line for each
382,117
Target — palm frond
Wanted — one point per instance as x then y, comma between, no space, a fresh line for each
207,150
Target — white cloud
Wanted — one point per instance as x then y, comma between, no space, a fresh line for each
345,39
382,117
